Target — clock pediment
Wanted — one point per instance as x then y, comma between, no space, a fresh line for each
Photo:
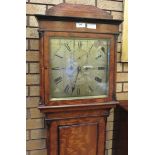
78,11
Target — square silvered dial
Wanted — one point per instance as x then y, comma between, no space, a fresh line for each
79,68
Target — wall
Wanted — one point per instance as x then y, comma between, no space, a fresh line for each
36,132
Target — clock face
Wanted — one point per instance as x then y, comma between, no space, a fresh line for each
79,68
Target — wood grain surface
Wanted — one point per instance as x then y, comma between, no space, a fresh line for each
78,10
78,139
82,136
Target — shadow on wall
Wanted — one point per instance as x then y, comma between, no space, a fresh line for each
120,134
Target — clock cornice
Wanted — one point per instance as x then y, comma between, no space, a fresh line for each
78,12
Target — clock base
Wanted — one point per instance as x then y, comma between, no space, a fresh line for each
76,130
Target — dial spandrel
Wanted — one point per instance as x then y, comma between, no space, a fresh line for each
79,68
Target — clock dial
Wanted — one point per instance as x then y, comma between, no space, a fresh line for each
79,68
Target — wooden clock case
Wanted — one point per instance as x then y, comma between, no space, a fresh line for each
76,127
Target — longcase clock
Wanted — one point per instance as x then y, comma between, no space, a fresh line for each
77,64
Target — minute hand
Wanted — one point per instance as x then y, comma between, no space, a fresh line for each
78,70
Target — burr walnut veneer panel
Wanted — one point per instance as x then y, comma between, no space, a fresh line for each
78,139
82,136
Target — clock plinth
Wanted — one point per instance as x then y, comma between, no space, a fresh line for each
77,64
